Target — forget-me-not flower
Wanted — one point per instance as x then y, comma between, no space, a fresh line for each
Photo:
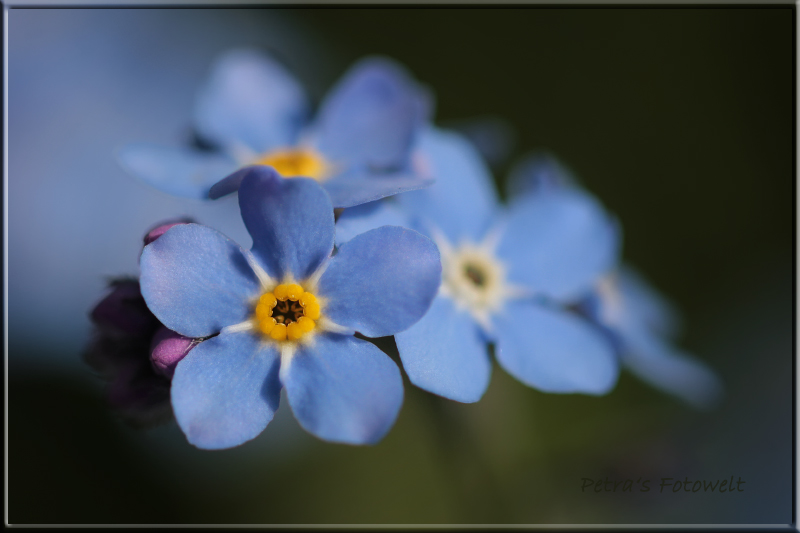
641,324
506,275
284,314
253,112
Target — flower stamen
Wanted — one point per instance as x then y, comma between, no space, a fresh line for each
293,162
475,279
287,312
476,275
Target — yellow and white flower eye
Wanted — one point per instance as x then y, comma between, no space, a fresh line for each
475,278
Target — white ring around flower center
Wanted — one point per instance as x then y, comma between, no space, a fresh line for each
474,278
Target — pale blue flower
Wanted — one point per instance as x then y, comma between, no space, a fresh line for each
640,322
507,275
253,112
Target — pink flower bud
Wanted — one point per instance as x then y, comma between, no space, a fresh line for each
167,349
162,228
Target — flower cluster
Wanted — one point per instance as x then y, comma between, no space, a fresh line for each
420,248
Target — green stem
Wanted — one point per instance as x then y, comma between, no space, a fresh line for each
474,482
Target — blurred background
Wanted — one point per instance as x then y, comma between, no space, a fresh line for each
680,120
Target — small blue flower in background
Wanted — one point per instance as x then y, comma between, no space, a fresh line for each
283,314
492,136
537,172
506,277
253,112
641,324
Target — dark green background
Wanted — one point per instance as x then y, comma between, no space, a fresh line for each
681,121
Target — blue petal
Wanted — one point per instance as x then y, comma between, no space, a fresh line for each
360,219
226,390
553,351
250,99
356,190
671,371
178,171
343,389
371,116
445,353
229,184
197,281
290,220
382,281
345,190
558,243
463,200
492,136
538,172
643,307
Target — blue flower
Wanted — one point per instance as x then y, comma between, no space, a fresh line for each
641,324
506,277
253,112
284,314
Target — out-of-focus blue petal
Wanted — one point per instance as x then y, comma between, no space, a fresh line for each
250,99
382,281
370,118
179,171
672,371
445,353
643,307
290,220
553,351
463,200
229,184
425,102
343,389
558,243
492,136
197,281
344,191
356,190
537,172
362,218
226,390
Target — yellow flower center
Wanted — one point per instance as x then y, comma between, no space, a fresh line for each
287,313
293,162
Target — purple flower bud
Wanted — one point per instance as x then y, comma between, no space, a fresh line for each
124,310
162,228
120,352
140,395
167,349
